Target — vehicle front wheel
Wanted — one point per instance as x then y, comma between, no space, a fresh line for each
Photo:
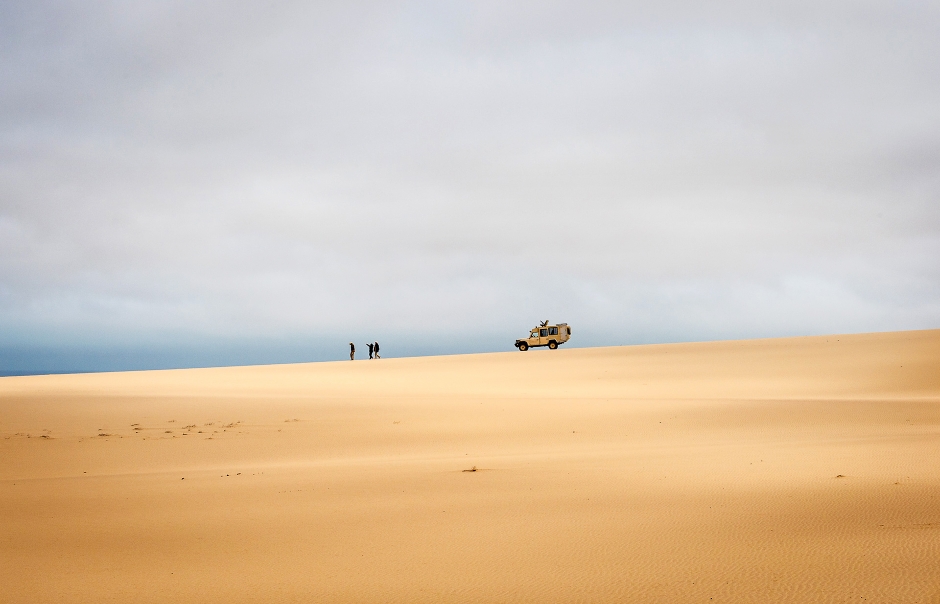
523,347
553,344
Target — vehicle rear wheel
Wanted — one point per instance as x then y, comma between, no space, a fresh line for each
553,345
523,347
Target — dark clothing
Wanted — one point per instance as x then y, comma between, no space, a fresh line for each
352,351
376,345
370,351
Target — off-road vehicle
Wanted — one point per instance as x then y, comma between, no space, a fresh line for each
545,335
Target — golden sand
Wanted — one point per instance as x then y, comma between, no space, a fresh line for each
785,470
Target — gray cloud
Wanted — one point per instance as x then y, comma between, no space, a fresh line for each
176,173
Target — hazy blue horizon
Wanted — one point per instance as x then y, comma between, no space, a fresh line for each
22,361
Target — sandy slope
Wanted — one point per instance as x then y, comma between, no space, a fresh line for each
790,470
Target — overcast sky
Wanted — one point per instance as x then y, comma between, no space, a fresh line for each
194,183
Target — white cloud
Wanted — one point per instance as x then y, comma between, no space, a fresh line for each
646,172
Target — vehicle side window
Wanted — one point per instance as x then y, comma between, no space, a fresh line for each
553,331
543,332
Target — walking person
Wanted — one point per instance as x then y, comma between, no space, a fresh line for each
352,351
376,346
370,350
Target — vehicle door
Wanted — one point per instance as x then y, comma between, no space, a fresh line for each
543,336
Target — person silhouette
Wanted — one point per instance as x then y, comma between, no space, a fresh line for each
376,347
352,351
370,349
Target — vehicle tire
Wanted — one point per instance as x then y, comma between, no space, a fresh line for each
553,345
523,347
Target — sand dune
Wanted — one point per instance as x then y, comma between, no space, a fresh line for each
786,470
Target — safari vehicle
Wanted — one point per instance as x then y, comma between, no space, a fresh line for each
545,335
